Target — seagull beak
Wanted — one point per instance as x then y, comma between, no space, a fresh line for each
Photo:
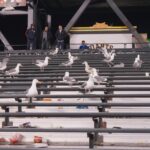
40,82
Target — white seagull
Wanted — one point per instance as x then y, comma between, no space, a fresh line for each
3,64
68,63
74,57
32,91
88,85
55,52
67,79
88,69
107,54
14,71
137,62
97,79
42,63
110,59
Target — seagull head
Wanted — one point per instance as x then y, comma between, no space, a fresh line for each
35,81
19,65
66,74
85,63
56,49
138,57
47,58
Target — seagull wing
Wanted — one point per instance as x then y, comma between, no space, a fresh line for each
11,71
39,61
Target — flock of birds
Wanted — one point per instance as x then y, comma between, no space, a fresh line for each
93,76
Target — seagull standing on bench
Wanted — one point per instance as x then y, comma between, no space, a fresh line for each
42,63
67,79
32,91
3,64
68,63
107,54
88,69
55,52
88,85
15,71
97,79
110,59
137,62
74,57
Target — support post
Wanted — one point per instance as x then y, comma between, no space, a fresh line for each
30,14
7,122
91,140
19,107
77,14
124,19
5,42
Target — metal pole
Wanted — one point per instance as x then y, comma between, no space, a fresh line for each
77,14
5,42
124,19
30,14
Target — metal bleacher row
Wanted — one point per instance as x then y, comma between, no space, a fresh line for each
127,80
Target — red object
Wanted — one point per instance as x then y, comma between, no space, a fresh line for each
37,139
17,138
2,140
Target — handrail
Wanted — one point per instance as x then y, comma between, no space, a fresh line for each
68,104
77,115
79,96
79,89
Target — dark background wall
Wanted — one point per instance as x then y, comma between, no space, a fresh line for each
14,27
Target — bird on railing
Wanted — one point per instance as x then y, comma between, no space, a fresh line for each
68,63
74,57
137,62
67,79
88,85
97,79
14,71
32,91
42,63
54,52
88,69
3,64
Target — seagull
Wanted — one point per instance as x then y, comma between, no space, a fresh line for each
14,71
55,52
121,65
74,57
32,91
107,54
88,69
109,60
42,63
97,79
68,79
137,62
88,85
3,64
68,63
